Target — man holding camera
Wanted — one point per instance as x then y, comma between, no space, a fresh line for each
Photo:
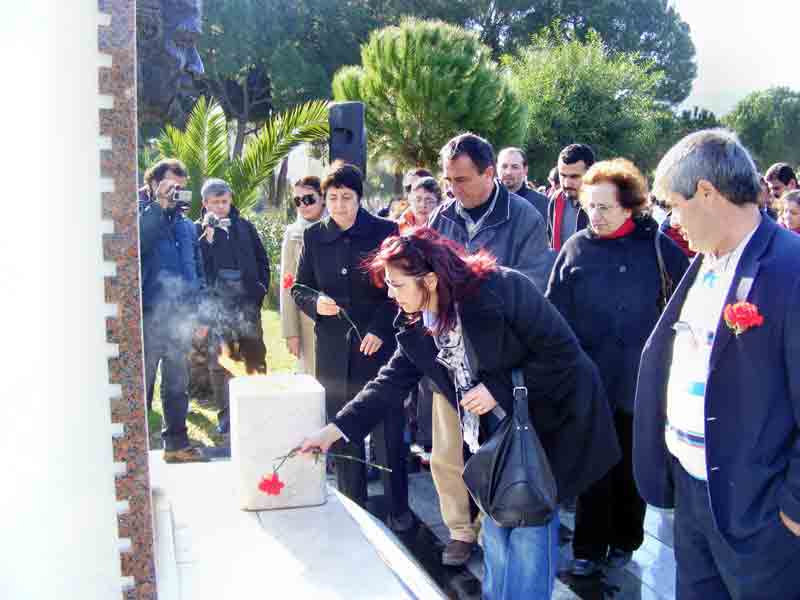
169,286
236,271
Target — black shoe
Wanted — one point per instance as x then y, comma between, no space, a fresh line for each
457,553
402,523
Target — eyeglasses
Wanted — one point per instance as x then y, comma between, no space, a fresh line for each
306,200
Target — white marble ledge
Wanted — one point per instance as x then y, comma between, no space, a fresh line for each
206,547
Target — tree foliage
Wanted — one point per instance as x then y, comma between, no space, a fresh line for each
652,28
576,91
424,82
203,147
768,123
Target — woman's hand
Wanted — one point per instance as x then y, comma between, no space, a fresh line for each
164,193
327,306
371,344
322,439
478,400
293,345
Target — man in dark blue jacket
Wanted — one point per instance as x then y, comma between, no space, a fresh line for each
717,411
169,284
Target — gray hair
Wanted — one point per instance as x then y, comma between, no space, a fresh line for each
715,155
215,187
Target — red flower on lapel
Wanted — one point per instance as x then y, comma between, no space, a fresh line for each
742,316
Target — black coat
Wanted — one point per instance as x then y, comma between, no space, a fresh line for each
539,201
509,324
608,291
250,255
331,263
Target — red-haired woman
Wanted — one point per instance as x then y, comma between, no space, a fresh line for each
467,323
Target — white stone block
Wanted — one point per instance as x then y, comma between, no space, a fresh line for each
270,414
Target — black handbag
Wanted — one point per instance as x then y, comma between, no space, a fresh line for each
509,477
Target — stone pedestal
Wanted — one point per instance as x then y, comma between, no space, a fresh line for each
270,414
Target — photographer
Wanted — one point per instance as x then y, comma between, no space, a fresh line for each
237,274
167,168
169,286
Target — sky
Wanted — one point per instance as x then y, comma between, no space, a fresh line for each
741,46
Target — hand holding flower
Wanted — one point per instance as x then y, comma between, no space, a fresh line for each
322,440
327,306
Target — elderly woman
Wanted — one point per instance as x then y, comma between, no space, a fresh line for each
466,324
353,324
424,197
607,282
297,328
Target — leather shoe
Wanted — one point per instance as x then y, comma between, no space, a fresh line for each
184,455
617,558
457,553
401,523
582,567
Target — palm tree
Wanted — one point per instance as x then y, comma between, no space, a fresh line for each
203,146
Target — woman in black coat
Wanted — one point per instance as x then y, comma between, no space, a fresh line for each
465,319
330,280
607,282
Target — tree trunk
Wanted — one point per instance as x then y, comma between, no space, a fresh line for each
398,184
241,129
280,183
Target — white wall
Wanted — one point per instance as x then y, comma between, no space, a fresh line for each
57,510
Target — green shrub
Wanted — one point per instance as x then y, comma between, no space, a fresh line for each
270,227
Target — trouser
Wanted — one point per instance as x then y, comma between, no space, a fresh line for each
519,562
166,343
610,514
447,466
709,568
390,451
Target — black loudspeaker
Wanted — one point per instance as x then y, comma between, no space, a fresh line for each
348,141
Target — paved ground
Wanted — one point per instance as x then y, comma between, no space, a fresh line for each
650,576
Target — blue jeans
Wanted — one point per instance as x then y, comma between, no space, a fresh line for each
520,562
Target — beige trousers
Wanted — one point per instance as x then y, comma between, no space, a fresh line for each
447,464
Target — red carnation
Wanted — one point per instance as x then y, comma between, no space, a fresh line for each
742,316
271,485
288,281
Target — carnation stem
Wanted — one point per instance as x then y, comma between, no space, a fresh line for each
317,453
342,312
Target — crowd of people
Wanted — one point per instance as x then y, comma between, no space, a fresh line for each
651,380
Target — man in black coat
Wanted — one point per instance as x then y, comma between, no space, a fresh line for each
236,270
512,169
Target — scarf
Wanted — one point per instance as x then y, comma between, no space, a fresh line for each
625,229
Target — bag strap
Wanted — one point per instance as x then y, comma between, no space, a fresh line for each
520,398
666,280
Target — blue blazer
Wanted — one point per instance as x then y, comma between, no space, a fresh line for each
752,402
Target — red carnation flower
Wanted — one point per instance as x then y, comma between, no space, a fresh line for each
271,485
288,281
742,316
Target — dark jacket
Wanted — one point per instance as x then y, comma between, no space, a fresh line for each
581,221
167,254
251,257
509,324
608,291
752,398
331,263
539,201
514,232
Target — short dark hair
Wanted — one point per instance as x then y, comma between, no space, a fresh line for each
782,172
342,174
575,153
418,173
518,150
156,173
553,176
310,181
430,185
479,150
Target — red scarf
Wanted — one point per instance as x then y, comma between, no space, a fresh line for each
558,217
623,230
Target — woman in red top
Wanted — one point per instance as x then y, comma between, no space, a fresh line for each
424,197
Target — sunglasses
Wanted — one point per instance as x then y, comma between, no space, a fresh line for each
306,200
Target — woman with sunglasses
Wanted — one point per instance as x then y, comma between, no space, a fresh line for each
467,323
353,325
297,328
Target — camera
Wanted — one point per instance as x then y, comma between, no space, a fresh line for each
182,199
210,220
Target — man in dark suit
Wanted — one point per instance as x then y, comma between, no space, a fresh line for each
717,414
512,169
